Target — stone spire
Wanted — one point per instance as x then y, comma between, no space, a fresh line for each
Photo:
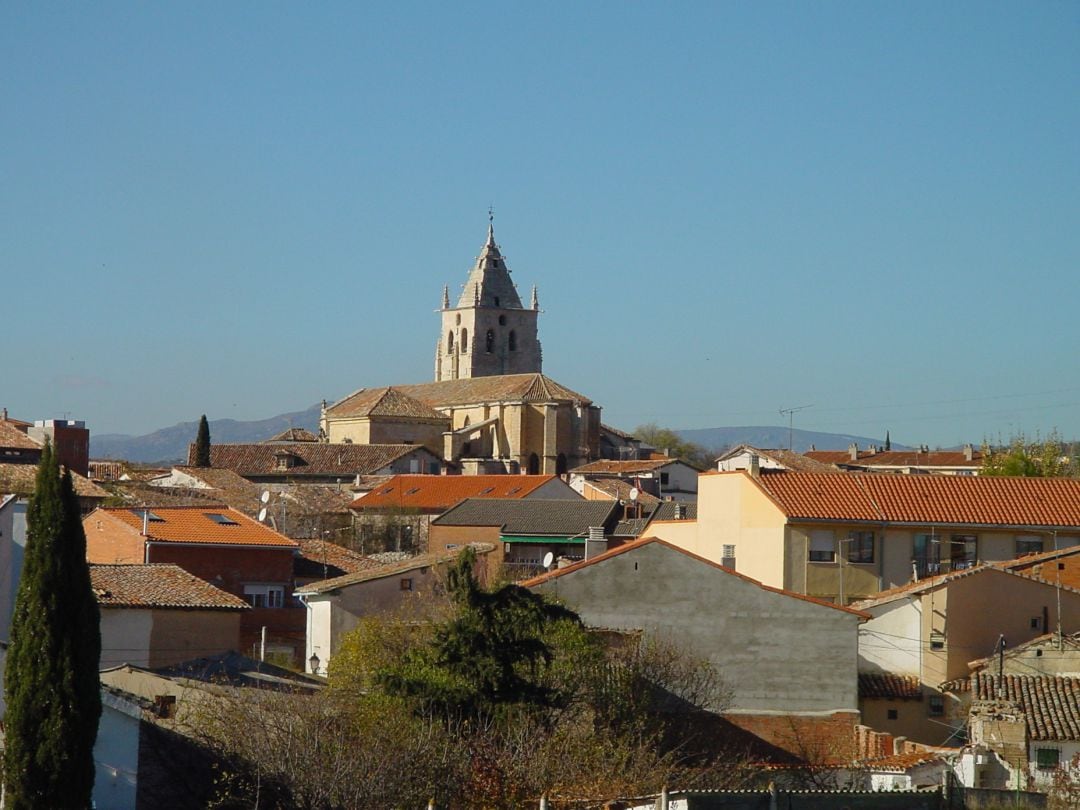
535,299
489,280
446,296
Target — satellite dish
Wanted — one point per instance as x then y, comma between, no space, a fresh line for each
549,558
262,515
634,493
265,497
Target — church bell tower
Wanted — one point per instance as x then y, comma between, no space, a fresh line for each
489,332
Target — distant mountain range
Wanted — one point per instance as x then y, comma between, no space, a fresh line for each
170,445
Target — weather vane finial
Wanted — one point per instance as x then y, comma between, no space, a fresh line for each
491,214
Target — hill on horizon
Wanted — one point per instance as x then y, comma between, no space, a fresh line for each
170,445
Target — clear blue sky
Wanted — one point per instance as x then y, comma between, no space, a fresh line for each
729,208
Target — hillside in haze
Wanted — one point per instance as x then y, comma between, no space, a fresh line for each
170,445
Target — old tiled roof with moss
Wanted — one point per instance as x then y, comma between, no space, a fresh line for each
18,479
472,391
618,489
609,467
310,459
315,555
1051,704
158,585
386,569
887,685
539,517
195,524
440,492
925,500
12,436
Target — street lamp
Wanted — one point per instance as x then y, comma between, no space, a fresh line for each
314,662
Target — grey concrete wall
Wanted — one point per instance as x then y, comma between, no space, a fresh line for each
775,651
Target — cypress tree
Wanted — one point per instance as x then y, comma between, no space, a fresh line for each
51,680
888,441
202,443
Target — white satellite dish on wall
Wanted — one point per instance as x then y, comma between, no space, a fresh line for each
549,558
634,493
265,497
262,515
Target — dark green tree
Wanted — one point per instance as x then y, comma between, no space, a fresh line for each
51,680
202,443
491,654
888,441
1041,458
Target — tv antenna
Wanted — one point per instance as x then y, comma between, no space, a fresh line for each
789,413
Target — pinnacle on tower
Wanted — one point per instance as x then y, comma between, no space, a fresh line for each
446,296
535,299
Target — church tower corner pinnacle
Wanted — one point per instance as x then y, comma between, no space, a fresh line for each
489,332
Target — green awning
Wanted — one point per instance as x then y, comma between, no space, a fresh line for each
521,538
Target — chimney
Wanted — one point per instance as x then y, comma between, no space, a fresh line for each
680,511
667,451
755,465
969,452
853,451
5,414
145,521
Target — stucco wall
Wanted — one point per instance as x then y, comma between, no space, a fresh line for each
111,541
890,642
125,637
777,652
180,635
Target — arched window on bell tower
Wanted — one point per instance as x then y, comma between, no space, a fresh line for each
489,341
449,342
464,341
513,340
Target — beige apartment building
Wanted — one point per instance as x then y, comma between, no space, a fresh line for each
850,536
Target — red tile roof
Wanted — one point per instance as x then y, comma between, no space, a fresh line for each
644,541
901,763
322,552
191,524
437,493
886,685
1061,566
925,499
931,583
157,586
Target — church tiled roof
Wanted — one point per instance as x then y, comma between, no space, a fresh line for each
387,401
475,390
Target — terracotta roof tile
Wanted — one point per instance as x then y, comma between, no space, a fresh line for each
437,493
12,436
157,586
474,390
886,685
901,763
926,499
18,479
312,459
191,524
1050,703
